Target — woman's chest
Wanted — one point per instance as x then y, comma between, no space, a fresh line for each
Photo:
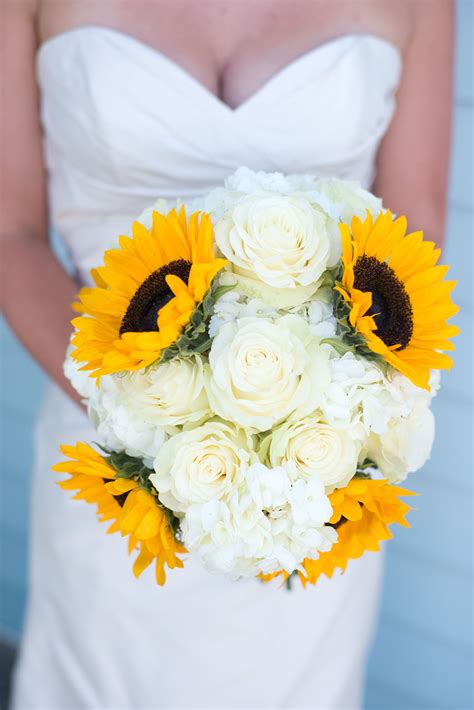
231,47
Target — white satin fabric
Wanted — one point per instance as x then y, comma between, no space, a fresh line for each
123,125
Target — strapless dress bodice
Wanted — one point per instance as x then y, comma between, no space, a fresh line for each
124,125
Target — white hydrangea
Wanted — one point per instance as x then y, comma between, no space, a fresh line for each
246,182
85,386
394,398
406,445
120,423
319,312
361,400
340,199
234,305
120,426
331,194
275,523
390,415
134,412
229,537
346,402
346,199
402,443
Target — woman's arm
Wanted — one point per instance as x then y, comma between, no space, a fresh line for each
413,161
36,292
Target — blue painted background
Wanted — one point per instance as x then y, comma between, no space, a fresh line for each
422,656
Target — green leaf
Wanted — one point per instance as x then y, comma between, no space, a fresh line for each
195,338
222,290
328,279
132,467
339,345
289,580
367,463
354,341
362,469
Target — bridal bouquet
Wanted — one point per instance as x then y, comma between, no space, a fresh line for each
259,365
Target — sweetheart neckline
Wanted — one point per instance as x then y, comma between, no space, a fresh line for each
199,86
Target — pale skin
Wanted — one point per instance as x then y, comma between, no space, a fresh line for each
255,39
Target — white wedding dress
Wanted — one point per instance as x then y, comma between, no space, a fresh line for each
123,125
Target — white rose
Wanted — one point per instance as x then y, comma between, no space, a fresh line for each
316,449
135,412
282,240
121,426
406,446
170,394
263,372
205,463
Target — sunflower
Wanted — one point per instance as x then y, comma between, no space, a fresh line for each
362,512
89,475
149,529
145,294
132,509
394,296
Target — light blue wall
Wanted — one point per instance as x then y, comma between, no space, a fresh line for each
421,657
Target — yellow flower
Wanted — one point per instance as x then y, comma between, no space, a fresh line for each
132,510
89,474
362,512
145,294
148,527
396,295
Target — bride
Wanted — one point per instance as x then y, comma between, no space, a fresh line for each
110,104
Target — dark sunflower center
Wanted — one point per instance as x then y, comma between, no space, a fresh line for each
149,299
391,307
